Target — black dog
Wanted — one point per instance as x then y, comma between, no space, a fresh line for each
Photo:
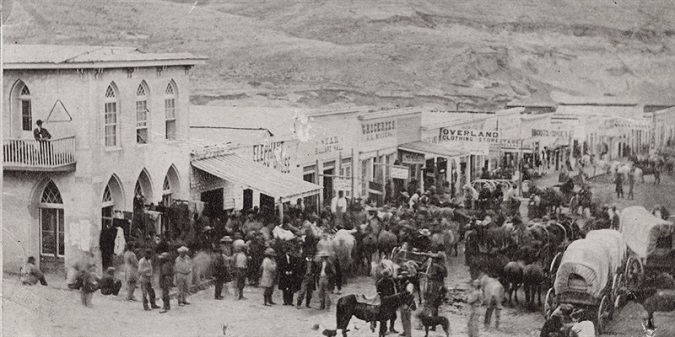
432,322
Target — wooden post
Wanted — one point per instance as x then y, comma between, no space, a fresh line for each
352,171
281,210
319,180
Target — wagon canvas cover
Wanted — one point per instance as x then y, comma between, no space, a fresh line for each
614,243
641,230
587,260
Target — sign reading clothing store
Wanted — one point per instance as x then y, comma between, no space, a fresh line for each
475,141
274,155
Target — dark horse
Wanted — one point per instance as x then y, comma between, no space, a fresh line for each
657,294
348,306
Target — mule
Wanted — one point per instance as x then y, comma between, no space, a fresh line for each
512,278
348,306
533,278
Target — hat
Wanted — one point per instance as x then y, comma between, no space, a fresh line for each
386,272
207,228
403,273
425,232
270,252
405,194
110,269
323,253
38,122
164,255
226,239
183,249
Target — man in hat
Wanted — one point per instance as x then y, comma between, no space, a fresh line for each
268,271
130,271
288,277
407,308
385,287
414,199
222,265
108,284
424,240
183,269
307,272
146,272
338,207
616,220
40,133
241,267
165,279
326,274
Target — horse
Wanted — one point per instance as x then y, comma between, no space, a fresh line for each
533,278
368,248
343,245
657,294
512,278
386,242
348,306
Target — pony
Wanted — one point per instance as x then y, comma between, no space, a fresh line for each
350,305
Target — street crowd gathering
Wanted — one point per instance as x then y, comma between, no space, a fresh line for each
309,252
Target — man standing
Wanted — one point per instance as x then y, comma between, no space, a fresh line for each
241,267
616,220
326,279
220,267
618,180
165,280
288,267
183,269
307,272
631,182
130,271
415,199
338,207
407,308
146,272
657,174
40,133
386,286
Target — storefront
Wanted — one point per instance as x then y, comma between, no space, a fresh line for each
433,165
380,135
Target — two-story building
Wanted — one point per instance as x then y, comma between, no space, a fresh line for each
119,121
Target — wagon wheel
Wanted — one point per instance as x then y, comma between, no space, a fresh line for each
550,304
634,274
602,317
554,265
618,284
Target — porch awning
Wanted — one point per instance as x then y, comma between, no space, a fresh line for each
256,176
432,149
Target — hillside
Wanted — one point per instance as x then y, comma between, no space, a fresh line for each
478,54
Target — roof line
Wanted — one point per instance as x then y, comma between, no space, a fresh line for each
78,55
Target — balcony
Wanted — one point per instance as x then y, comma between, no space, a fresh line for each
57,155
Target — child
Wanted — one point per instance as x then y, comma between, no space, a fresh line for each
268,270
89,282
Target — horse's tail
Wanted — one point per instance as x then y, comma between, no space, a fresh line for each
343,313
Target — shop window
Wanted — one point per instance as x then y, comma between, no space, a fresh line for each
26,109
111,118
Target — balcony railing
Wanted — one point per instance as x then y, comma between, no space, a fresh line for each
33,155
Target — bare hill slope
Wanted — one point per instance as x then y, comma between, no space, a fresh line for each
478,54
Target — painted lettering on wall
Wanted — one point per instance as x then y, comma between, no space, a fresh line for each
273,155
473,136
328,145
378,130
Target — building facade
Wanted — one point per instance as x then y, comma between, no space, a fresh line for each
118,120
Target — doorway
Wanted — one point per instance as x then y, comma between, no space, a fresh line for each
214,201
328,185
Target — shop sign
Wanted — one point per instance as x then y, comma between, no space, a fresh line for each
472,136
328,145
625,123
378,130
273,155
399,172
550,133
412,158
342,184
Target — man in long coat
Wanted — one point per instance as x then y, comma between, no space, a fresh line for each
307,275
130,271
288,277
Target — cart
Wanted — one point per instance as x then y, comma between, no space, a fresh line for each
651,246
421,261
584,281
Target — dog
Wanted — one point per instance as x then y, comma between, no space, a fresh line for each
432,322
324,331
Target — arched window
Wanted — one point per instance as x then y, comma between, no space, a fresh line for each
142,113
113,199
52,235
170,110
26,108
111,121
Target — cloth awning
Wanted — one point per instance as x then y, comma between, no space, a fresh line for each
256,176
433,149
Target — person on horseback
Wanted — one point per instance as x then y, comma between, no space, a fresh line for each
386,286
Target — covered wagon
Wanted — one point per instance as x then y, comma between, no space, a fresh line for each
650,242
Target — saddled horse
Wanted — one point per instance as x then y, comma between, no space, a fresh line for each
369,310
